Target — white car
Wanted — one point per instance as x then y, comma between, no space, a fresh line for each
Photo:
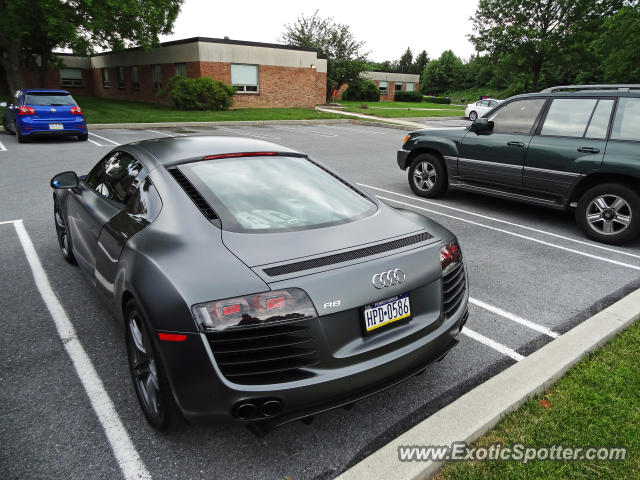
479,108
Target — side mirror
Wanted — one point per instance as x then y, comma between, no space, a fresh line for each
65,180
481,125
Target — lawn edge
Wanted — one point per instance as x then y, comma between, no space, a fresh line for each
478,411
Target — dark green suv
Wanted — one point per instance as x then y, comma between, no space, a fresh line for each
574,146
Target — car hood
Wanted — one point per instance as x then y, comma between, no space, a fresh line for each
261,249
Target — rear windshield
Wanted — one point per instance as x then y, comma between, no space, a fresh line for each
48,99
275,193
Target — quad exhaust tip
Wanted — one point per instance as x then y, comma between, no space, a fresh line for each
257,409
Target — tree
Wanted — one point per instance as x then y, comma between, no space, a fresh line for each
405,62
31,29
420,63
620,59
443,74
533,32
345,57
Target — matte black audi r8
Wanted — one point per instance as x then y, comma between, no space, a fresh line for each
254,284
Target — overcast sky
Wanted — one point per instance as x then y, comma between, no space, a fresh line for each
388,28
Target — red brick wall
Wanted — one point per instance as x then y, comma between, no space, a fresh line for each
278,86
32,80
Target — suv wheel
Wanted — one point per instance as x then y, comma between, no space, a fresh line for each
473,116
609,213
427,176
149,379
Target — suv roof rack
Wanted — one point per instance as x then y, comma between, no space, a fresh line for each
619,87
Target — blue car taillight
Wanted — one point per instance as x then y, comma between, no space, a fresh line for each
254,310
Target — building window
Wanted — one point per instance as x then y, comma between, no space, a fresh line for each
245,78
71,77
156,75
135,81
409,87
398,86
384,87
105,78
120,77
181,69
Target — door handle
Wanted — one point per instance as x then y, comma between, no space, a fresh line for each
515,144
588,150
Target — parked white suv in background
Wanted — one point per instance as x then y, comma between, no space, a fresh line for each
479,108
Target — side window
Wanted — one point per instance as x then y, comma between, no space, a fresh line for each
600,120
517,117
145,202
114,176
625,125
568,117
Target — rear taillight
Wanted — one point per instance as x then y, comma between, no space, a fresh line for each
255,310
450,256
75,110
24,110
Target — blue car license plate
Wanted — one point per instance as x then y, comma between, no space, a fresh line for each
386,311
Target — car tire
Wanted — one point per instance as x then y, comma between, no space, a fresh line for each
427,176
609,213
473,115
83,138
147,372
64,240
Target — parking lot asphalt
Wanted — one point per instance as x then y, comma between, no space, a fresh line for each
532,276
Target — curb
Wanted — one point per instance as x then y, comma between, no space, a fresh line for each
473,414
244,123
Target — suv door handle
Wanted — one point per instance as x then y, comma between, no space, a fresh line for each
515,144
588,150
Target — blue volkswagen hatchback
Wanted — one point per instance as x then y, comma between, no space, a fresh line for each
37,112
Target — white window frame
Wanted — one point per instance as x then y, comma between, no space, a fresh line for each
157,84
135,79
105,78
121,84
181,66
71,81
383,90
248,88
413,88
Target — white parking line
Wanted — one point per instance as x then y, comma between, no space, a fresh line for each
96,143
2,147
524,237
514,318
168,134
115,143
509,352
544,232
359,130
249,134
307,131
129,460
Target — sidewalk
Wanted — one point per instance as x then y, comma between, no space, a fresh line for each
397,121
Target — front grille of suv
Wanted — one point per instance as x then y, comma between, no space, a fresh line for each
263,355
453,287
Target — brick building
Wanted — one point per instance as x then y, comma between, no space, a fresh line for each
390,83
265,75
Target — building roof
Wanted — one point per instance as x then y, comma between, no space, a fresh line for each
209,40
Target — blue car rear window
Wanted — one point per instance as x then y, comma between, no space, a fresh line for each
48,99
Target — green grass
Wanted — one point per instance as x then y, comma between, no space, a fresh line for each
474,94
597,403
103,110
403,109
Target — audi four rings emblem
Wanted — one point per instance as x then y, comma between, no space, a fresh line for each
388,279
